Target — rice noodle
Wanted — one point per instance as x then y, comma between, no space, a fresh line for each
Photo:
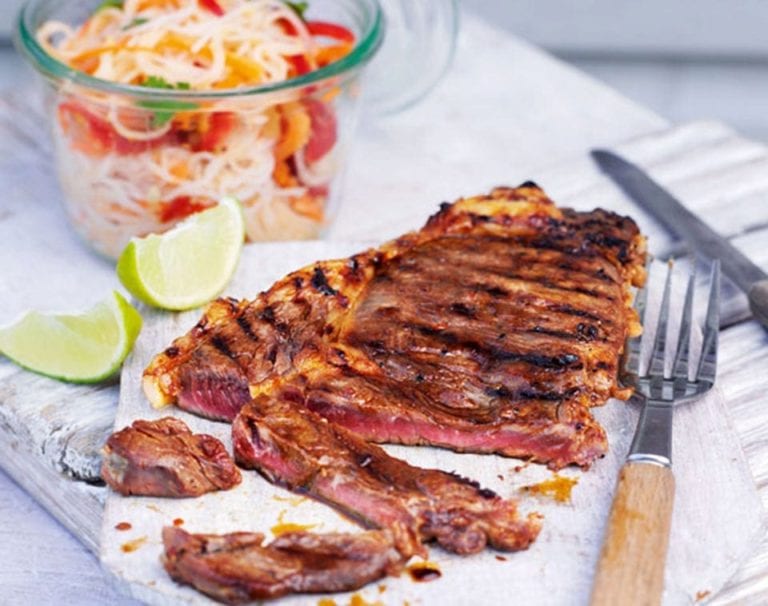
252,29
114,194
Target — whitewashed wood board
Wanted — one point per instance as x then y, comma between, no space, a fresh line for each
50,445
717,523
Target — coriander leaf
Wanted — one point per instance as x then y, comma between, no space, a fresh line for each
298,7
156,82
109,4
136,22
165,110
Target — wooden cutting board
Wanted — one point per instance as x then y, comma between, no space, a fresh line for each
50,446
718,518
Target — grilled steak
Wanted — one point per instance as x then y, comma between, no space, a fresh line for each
237,567
300,450
164,458
492,329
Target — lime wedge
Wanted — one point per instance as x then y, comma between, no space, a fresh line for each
84,348
188,265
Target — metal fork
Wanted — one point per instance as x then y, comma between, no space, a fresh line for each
631,567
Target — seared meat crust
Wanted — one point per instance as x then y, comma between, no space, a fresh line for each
238,567
164,458
492,329
302,451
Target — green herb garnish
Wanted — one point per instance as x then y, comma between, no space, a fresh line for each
298,7
136,22
157,82
165,109
109,4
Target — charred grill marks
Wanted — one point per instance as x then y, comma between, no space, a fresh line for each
491,352
584,332
492,312
531,394
581,313
245,326
320,282
547,283
493,329
462,309
220,343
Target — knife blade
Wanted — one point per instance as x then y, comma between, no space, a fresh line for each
671,213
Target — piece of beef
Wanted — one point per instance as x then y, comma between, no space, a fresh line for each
302,451
492,329
238,567
164,458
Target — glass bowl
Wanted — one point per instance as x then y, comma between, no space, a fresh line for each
133,160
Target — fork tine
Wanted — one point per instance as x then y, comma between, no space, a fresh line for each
656,366
708,362
634,346
641,301
680,366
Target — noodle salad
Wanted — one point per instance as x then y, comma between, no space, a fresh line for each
132,165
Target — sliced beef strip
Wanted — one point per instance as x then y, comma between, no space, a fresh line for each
238,567
164,458
295,448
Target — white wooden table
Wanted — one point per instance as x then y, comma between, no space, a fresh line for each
504,112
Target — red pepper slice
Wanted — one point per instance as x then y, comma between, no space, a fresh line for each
93,135
218,128
181,207
212,6
323,135
288,27
330,30
300,64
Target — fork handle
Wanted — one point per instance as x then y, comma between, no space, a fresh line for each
631,567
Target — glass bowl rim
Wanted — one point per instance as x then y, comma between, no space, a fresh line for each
26,40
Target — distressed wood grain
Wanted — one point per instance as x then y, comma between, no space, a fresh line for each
559,567
66,441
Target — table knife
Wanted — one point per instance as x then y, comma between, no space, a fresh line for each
666,209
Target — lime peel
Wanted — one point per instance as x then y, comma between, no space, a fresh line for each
83,348
188,265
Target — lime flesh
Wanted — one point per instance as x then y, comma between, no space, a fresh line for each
84,348
188,265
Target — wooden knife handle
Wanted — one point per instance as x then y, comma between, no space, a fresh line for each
758,301
630,571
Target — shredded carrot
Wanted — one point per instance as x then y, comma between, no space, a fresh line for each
330,94
231,80
185,120
329,54
296,127
174,41
87,60
93,52
143,4
283,175
309,206
248,70
271,130
180,170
